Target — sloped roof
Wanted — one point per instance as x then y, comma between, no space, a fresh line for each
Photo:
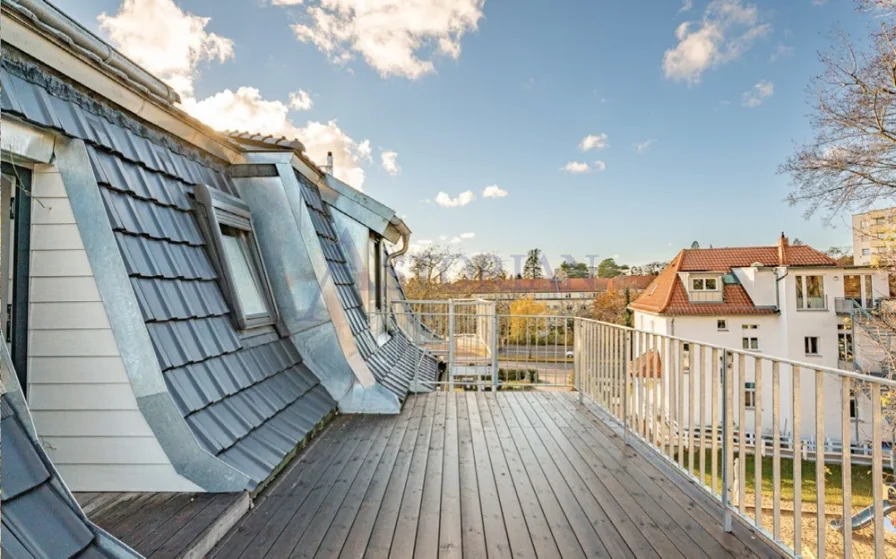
247,404
723,259
631,282
666,294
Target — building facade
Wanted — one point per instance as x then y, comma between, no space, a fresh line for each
873,236
778,300
570,296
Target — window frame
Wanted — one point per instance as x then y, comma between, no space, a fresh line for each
722,325
749,395
808,343
216,211
747,343
703,282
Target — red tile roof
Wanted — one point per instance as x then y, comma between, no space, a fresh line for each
666,295
638,283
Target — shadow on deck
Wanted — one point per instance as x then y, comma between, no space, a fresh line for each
483,475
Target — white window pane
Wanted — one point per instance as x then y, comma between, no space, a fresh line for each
246,288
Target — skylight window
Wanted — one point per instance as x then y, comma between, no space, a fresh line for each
226,222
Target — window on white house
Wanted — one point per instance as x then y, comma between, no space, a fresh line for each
721,324
750,343
882,236
375,263
811,345
844,343
226,223
866,251
704,284
750,395
749,326
853,408
810,292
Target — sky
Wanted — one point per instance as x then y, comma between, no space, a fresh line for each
585,128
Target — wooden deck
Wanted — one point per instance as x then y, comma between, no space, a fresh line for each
504,474
165,525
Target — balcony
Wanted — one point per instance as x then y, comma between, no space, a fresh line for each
577,438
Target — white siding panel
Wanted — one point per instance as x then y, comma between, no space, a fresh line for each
59,263
111,477
51,211
62,343
71,370
47,184
55,237
78,397
69,316
104,450
92,423
52,290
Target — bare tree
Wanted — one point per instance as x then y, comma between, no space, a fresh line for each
484,266
851,162
430,271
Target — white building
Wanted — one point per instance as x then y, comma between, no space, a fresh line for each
778,301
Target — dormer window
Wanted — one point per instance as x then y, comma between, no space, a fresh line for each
705,290
226,223
704,284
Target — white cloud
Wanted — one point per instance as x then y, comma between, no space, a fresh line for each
286,2
530,83
781,51
728,28
389,160
467,236
462,199
494,191
172,44
576,167
593,141
685,6
759,93
641,147
600,165
300,100
165,40
395,37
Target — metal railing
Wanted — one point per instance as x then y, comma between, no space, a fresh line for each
705,420
777,442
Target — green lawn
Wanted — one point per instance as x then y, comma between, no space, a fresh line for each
833,487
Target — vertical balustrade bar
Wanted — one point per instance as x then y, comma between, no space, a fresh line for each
494,344
692,420
740,385
846,464
652,388
714,420
616,374
776,451
757,440
797,465
819,463
663,354
626,374
452,358
679,376
700,379
602,366
672,383
579,358
877,472
727,440
642,418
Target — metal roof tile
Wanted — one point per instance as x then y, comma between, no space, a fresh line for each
22,468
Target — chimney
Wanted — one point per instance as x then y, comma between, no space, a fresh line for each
782,254
330,162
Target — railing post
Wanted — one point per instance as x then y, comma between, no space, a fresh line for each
627,372
494,344
576,361
726,434
451,357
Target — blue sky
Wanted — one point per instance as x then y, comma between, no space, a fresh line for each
530,82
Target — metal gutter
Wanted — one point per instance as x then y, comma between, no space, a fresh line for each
51,19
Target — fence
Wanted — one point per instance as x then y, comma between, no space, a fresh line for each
701,407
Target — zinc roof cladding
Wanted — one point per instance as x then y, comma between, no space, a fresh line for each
392,364
38,519
145,176
265,141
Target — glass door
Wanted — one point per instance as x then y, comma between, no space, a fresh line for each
15,244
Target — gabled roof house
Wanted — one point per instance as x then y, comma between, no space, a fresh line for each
186,306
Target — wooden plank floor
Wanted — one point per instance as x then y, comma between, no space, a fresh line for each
157,525
467,474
